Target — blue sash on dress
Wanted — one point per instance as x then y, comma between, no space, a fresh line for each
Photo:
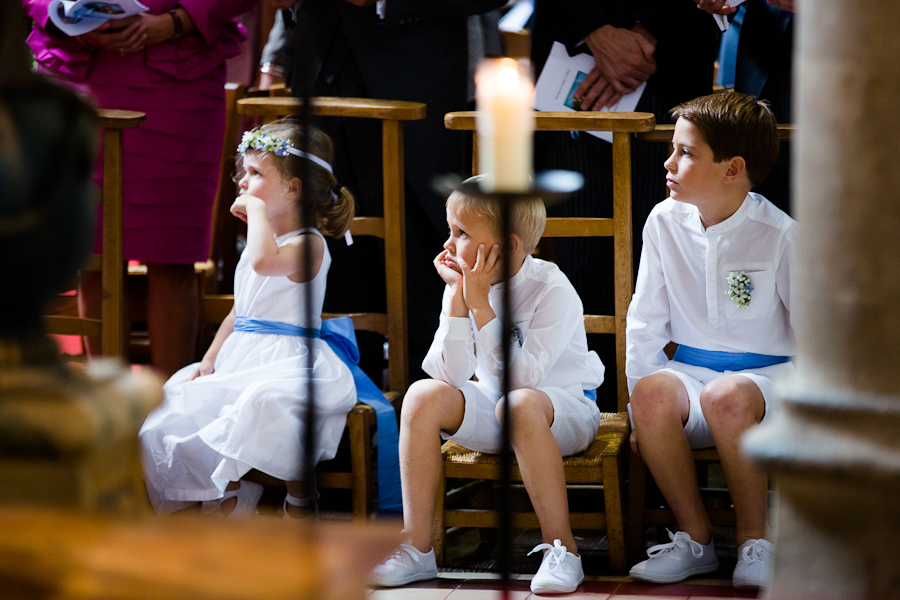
340,337
725,361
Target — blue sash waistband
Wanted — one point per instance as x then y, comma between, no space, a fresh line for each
341,338
725,361
591,394
254,325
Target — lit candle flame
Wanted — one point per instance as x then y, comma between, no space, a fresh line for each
508,78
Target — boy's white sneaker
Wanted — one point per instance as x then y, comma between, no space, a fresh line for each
677,560
754,564
560,571
405,565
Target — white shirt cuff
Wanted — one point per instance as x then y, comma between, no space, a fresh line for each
458,328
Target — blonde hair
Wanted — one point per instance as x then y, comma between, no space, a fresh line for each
325,204
527,216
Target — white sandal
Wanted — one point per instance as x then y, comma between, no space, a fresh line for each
300,503
248,495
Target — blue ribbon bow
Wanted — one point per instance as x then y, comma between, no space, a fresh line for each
341,338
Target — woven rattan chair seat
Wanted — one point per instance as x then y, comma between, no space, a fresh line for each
610,436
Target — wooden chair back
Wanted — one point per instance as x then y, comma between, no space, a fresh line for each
517,44
110,327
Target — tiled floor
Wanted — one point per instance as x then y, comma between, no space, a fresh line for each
474,586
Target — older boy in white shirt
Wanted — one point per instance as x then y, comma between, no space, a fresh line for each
715,278
553,376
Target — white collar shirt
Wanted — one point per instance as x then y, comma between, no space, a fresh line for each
548,340
681,294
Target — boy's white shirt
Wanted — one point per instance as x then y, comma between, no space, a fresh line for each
549,315
681,290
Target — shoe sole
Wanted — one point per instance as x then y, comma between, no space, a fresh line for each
674,578
404,581
744,584
555,589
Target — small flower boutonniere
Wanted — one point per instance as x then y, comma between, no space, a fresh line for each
516,335
740,289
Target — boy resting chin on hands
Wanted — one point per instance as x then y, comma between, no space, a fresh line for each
553,375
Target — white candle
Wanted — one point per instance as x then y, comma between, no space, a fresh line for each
505,125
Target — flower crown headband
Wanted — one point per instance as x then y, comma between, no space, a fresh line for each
257,140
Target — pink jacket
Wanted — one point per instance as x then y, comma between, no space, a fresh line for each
186,58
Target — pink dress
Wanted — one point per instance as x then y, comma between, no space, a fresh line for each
171,162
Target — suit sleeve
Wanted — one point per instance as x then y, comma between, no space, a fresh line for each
401,12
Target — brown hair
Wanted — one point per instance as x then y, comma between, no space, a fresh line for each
527,217
735,124
329,207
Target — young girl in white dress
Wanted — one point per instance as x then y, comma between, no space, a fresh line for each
244,405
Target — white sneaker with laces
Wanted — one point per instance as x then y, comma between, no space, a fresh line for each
560,571
754,564
677,560
405,565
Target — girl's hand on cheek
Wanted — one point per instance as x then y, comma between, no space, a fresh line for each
244,204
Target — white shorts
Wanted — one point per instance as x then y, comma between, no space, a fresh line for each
695,379
575,420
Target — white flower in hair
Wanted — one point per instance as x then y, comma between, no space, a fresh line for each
257,140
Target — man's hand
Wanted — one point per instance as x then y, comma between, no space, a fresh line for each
595,92
715,7
624,58
783,4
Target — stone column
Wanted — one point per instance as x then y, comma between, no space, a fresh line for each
834,449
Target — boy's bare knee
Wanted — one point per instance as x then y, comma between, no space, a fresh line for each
525,407
655,398
423,399
730,400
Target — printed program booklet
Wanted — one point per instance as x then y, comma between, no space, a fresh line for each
75,17
562,74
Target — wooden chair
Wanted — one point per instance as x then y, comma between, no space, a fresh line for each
111,324
517,43
639,515
601,463
390,228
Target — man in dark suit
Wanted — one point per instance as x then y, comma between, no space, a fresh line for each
670,45
763,69
414,50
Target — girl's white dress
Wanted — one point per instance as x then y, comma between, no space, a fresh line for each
249,413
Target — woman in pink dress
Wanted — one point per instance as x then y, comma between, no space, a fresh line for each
169,63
